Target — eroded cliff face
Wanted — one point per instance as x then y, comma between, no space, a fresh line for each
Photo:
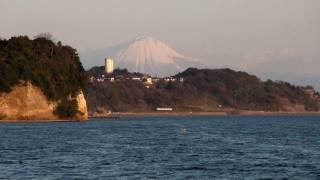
82,107
27,102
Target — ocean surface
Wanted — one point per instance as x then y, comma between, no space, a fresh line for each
230,147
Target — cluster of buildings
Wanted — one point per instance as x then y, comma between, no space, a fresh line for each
147,80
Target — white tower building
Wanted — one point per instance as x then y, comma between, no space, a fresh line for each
109,65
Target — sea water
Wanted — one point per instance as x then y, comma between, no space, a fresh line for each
197,147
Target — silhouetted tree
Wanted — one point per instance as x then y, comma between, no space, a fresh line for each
45,35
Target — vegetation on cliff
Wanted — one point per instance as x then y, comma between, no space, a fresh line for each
53,67
201,90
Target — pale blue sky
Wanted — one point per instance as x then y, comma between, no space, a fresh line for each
253,35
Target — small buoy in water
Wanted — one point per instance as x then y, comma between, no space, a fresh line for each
184,130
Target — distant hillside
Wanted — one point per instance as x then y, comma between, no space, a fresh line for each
52,67
201,90
295,78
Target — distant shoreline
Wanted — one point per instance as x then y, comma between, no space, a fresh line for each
239,113
117,115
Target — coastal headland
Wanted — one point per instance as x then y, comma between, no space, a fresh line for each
41,80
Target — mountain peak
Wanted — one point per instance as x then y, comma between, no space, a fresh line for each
139,38
149,42
149,55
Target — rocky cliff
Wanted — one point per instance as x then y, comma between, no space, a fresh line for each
28,102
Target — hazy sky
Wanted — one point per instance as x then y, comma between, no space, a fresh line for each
254,35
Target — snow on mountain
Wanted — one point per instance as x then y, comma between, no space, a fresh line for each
146,55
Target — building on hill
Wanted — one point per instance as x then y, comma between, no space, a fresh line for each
109,65
136,79
164,109
148,81
170,79
155,79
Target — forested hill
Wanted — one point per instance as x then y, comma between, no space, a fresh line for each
200,90
245,91
54,68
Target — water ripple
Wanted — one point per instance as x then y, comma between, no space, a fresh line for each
163,148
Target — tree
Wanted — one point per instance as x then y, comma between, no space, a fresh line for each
45,35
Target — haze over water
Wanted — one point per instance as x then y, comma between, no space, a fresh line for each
164,148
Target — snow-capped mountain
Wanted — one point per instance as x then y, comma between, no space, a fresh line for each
144,54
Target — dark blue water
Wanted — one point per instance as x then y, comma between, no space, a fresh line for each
163,148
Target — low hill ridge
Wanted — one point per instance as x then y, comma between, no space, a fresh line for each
203,90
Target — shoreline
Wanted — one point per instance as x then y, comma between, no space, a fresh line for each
41,121
223,113
117,115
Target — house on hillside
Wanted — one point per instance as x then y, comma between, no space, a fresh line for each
92,79
136,79
164,109
148,81
170,79
155,80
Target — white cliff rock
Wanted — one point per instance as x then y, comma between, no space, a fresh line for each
27,102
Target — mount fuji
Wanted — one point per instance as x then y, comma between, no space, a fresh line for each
145,55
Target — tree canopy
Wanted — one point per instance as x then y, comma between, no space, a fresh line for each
55,68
